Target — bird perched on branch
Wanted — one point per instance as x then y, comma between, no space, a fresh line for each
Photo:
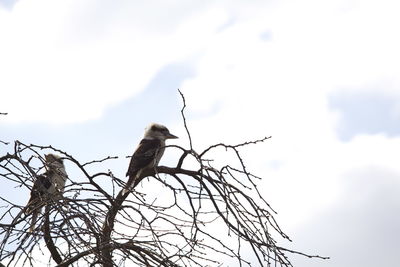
48,185
148,153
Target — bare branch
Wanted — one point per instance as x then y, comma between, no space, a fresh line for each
48,239
184,119
200,216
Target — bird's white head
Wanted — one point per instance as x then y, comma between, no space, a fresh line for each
53,160
158,131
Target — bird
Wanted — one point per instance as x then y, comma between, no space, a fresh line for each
51,184
147,154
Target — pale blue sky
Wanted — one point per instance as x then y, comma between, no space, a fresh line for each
7,3
321,77
366,113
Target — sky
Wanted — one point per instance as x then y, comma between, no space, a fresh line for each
321,77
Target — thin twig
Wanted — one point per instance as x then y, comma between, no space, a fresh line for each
93,225
184,119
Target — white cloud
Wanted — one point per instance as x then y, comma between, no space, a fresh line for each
280,87
88,56
246,85
62,63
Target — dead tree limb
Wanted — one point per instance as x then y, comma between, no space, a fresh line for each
205,214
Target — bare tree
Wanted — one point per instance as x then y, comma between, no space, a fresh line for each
206,215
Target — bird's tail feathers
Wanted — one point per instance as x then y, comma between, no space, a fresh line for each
32,205
35,214
129,185
132,182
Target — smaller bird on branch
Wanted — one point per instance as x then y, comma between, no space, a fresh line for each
48,185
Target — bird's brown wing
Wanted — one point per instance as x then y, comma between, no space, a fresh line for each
143,155
40,187
142,158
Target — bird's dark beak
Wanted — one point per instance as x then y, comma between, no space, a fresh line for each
171,136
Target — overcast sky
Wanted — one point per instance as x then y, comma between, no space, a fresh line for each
321,77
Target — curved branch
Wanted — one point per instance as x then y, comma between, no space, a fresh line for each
99,225
47,237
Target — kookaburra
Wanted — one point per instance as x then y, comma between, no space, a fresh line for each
49,185
148,153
